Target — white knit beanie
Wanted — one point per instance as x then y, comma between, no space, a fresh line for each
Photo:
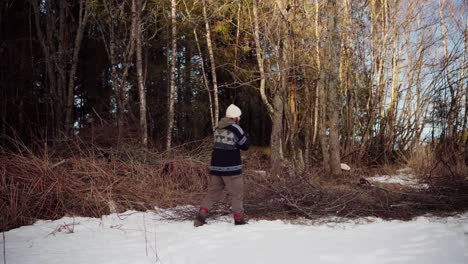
233,111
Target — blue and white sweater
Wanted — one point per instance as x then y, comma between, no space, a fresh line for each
229,139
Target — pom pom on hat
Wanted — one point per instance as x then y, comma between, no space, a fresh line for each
233,111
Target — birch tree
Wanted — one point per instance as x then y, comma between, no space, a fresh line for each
209,44
172,87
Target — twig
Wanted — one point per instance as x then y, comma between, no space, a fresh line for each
102,120
58,163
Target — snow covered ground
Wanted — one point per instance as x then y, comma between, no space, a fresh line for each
404,177
136,237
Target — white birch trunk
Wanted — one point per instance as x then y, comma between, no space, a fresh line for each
172,88
213,64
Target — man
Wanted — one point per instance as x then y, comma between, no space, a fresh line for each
226,167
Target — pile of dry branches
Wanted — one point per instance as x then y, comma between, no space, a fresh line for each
314,198
315,195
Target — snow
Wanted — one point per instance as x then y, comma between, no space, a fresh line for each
404,177
144,237
400,179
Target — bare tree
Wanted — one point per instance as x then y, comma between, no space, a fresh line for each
119,41
61,73
275,108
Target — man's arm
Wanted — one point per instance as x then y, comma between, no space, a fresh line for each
243,142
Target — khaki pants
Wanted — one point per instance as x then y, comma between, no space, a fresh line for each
234,185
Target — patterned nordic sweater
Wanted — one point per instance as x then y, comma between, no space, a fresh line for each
229,139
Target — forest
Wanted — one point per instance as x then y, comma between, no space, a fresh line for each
111,104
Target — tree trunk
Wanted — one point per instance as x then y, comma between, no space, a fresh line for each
462,77
345,78
459,91
61,66
319,114
322,132
50,83
276,139
366,132
464,135
236,47
82,22
394,87
172,88
276,109
448,131
141,82
213,64
260,60
205,82
308,122
333,87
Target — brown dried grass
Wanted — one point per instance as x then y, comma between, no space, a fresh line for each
422,160
38,186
